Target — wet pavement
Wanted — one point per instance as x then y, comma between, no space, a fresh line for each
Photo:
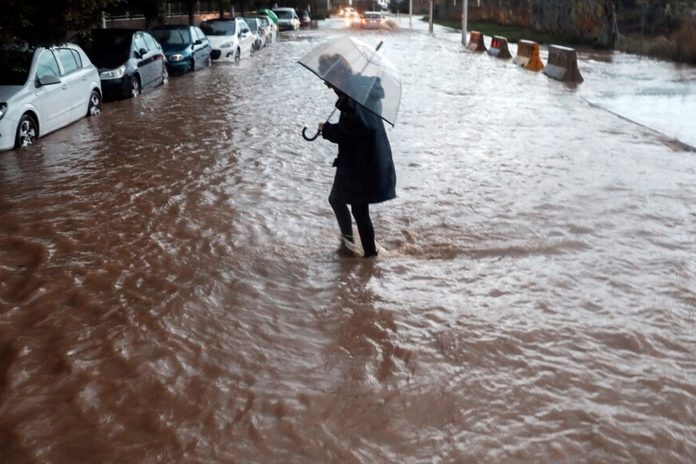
170,289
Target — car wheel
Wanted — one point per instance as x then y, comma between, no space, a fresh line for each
27,132
95,103
209,61
165,74
192,65
135,86
237,56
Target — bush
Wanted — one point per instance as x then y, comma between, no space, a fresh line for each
685,42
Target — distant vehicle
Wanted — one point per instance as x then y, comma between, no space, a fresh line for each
287,19
44,89
305,20
130,61
186,47
372,20
230,38
255,26
267,27
351,17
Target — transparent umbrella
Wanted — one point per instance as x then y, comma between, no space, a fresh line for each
360,72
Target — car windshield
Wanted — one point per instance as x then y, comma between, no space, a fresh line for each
252,24
373,15
105,45
172,36
283,14
14,66
218,27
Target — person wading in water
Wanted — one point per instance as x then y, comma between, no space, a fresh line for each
365,171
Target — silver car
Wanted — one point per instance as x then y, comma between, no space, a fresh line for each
44,89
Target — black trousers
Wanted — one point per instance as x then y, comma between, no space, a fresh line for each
361,213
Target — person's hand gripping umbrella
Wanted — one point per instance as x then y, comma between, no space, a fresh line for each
376,85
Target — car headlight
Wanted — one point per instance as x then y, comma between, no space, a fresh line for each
226,45
3,109
113,73
177,57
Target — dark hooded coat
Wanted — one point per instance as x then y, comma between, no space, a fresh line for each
364,167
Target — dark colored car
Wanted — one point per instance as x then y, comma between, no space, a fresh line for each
305,20
186,47
129,60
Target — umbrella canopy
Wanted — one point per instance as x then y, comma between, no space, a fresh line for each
268,13
357,70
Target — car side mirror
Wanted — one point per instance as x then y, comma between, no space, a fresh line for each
49,79
198,42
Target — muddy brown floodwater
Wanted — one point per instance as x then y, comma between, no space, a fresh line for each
170,289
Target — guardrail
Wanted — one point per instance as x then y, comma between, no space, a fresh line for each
528,55
563,64
499,47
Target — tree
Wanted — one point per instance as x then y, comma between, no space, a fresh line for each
153,10
40,22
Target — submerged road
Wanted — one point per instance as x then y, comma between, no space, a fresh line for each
170,289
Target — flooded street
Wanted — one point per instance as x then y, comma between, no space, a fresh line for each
170,289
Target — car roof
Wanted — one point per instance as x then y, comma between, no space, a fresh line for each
172,26
121,30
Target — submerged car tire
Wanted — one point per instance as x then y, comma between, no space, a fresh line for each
237,56
209,61
27,131
95,104
192,65
135,87
165,74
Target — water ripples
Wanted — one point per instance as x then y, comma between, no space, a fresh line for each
170,288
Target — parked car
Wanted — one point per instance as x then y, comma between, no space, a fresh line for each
287,19
372,20
266,30
186,47
230,38
44,89
272,27
305,20
130,61
255,27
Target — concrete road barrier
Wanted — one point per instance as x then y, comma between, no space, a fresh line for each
528,55
499,47
563,64
476,42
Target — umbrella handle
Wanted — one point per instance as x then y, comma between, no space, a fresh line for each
309,139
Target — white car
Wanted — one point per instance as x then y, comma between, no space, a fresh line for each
230,38
44,89
268,26
287,19
272,27
372,20
259,34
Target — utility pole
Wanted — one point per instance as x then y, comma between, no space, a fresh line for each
430,18
410,14
465,21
